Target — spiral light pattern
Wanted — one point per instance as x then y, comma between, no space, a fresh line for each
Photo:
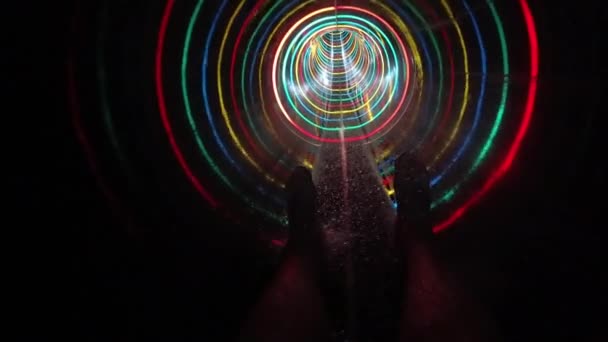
264,84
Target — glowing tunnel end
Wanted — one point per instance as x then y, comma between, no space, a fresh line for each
300,75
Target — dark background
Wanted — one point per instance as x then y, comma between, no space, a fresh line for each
532,250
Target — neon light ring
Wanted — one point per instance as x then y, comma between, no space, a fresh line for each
264,84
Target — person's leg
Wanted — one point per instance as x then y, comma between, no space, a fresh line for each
292,308
435,307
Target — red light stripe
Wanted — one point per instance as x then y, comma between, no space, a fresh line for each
529,109
163,106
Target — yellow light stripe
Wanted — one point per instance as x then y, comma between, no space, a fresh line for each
417,61
369,108
466,83
221,97
307,164
261,67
